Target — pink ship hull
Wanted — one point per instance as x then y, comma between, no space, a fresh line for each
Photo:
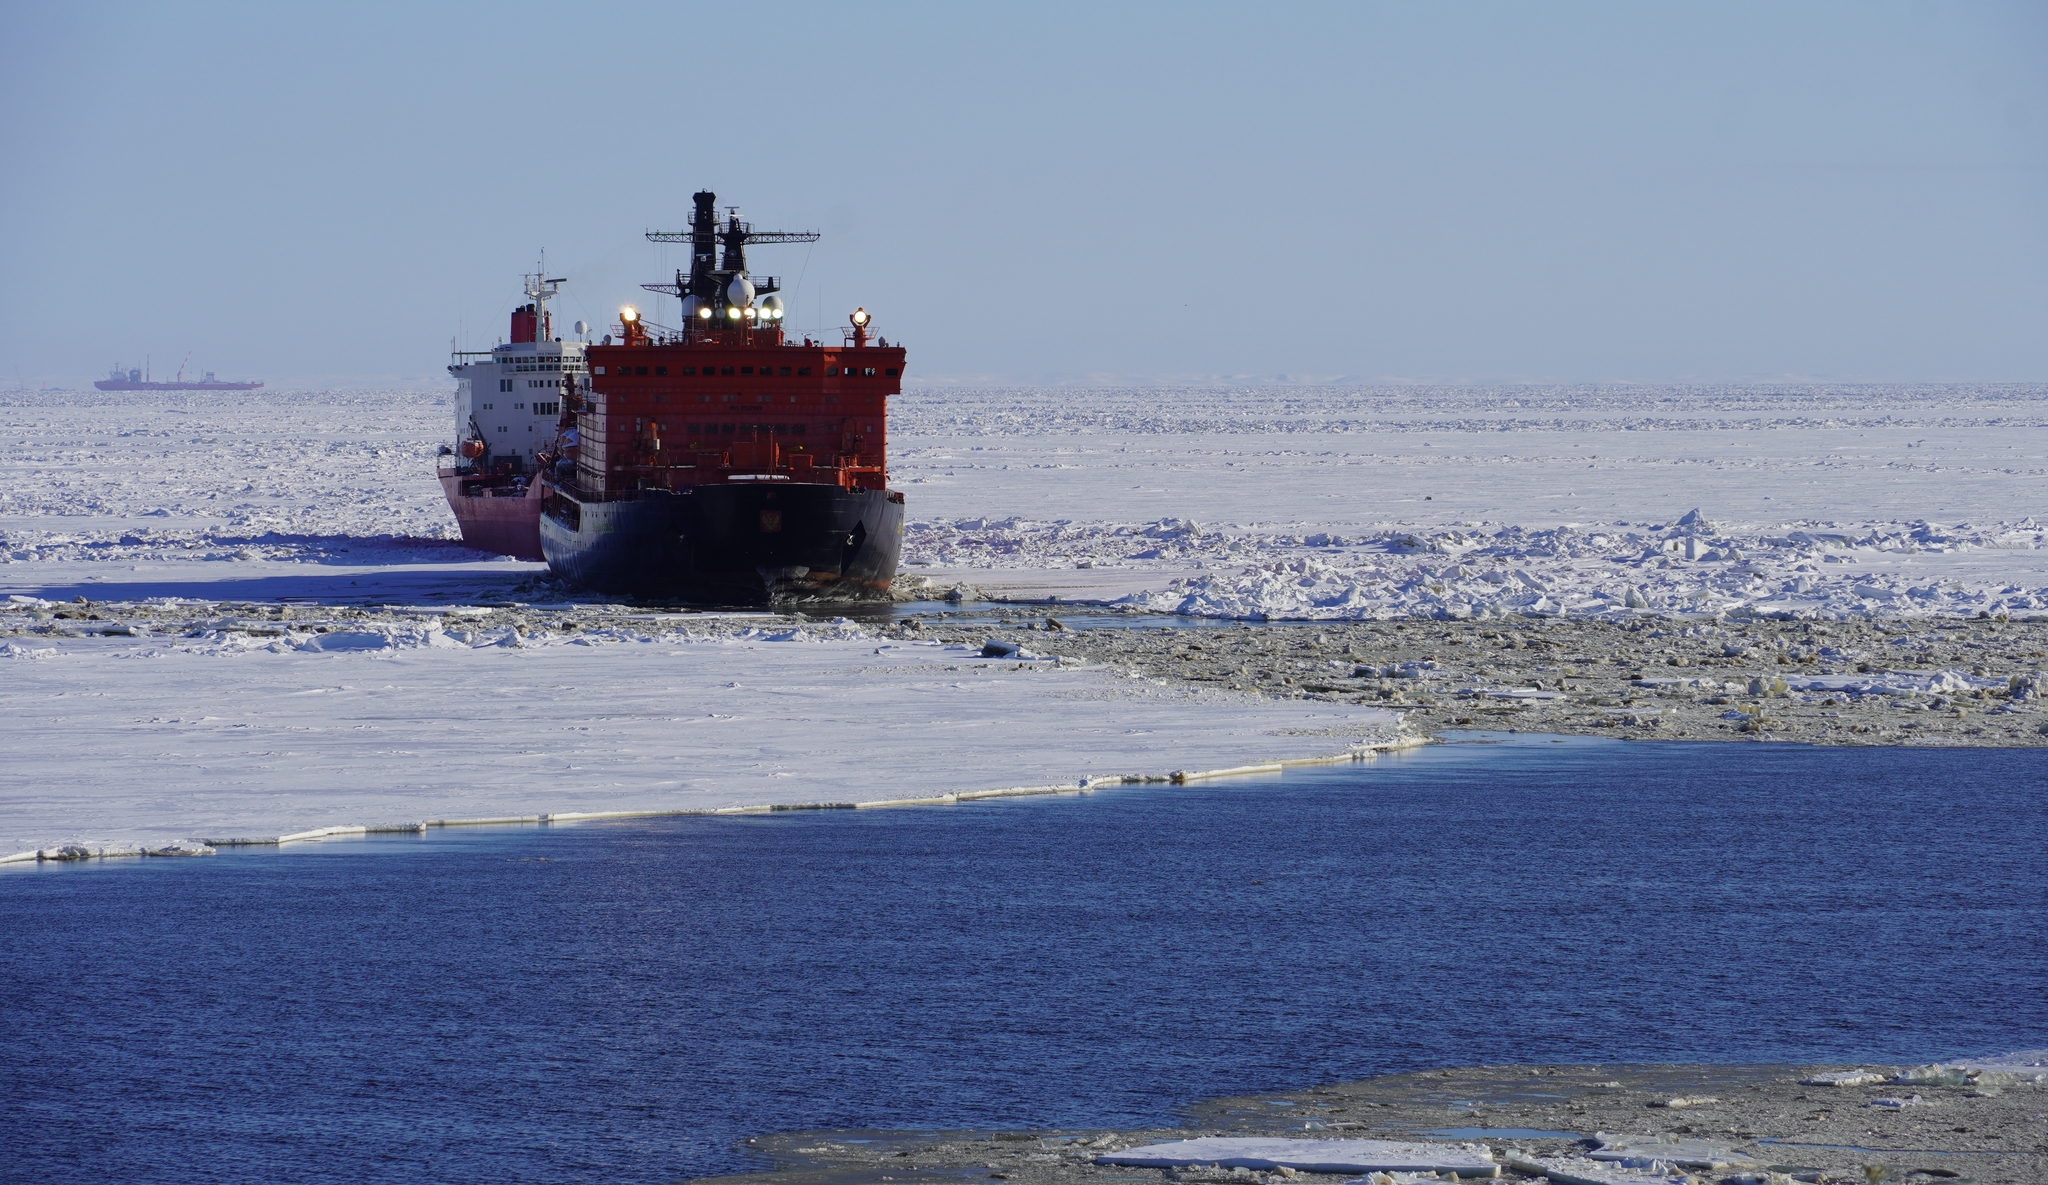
507,523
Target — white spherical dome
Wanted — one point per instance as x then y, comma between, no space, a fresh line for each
771,308
740,291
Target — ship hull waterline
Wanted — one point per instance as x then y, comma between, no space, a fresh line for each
730,543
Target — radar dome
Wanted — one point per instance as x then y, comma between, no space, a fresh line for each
582,327
740,291
771,307
690,306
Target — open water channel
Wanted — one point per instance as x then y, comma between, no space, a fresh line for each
629,1001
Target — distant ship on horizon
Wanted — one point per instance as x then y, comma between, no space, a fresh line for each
134,379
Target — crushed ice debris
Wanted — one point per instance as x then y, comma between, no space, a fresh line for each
1670,1149
1894,1103
1845,1078
1697,568
1313,1156
1580,1170
1699,1100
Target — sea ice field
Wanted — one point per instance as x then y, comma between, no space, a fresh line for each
1293,503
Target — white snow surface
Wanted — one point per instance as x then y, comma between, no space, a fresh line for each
1303,502
127,744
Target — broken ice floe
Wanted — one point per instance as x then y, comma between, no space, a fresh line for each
1846,1078
1669,1149
1314,1156
2025,1066
1900,683
1580,1170
1896,1104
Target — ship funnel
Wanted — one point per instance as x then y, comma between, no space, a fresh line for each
740,292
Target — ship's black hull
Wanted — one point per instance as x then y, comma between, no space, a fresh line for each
738,543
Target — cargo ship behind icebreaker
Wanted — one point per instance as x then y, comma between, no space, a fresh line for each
721,462
509,422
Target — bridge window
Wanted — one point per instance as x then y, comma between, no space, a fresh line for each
830,371
785,370
746,370
661,370
725,370
891,371
639,370
803,370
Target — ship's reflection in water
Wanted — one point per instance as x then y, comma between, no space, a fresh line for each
632,999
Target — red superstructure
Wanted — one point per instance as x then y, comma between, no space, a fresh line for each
741,403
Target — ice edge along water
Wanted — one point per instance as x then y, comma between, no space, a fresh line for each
209,845
323,729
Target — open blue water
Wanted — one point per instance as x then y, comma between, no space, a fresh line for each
627,1001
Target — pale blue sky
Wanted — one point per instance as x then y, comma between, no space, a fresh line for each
1046,192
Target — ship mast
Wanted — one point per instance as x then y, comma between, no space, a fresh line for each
540,291
709,291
